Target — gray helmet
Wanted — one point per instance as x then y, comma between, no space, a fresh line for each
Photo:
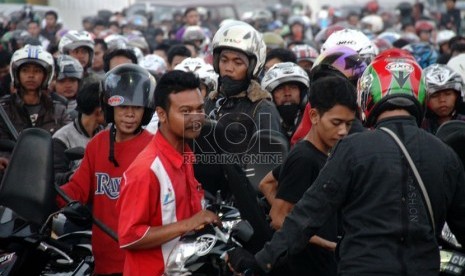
68,67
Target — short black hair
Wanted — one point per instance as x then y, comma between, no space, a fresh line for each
188,10
88,99
284,55
102,42
173,82
326,92
51,12
129,53
177,50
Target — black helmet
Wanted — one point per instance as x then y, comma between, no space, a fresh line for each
129,85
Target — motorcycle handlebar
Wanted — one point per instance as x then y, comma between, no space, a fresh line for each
96,221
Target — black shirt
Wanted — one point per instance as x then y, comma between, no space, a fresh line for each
297,174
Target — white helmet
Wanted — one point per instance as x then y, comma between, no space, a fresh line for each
190,64
75,39
204,71
208,77
444,36
32,54
116,41
155,64
353,39
284,72
439,77
240,36
193,33
373,22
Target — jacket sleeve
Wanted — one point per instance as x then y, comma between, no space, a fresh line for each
267,116
317,205
61,164
456,212
80,185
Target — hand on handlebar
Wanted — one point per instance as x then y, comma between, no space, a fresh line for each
242,261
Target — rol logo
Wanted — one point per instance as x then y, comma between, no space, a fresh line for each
107,186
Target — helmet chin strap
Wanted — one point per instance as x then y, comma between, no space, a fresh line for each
111,157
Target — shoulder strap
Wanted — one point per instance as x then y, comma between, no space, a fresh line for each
415,172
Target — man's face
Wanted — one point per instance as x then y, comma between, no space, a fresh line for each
442,103
82,54
127,120
288,93
192,18
50,21
185,116
34,29
97,64
331,126
230,64
31,76
67,87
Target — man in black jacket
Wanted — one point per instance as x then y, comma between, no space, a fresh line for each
388,229
241,106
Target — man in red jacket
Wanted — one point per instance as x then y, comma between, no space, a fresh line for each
128,105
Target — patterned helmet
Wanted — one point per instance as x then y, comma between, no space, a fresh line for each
304,52
353,39
129,85
69,67
193,33
389,83
75,39
32,54
424,53
284,72
203,70
439,77
345,59
240,36
155,64
190,64
209,77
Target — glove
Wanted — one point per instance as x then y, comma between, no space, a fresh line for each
78,213
242,261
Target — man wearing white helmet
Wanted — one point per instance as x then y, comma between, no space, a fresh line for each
288,83
31,71
240,105
80,45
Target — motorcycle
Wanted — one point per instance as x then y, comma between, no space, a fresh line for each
27,200
452,255
202,252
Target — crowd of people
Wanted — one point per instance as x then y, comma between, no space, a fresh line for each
135,92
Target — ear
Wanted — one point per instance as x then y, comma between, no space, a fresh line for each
162,115
314,116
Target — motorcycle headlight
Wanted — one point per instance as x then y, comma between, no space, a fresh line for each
185,249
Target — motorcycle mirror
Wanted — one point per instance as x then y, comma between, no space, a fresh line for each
75,153
242,231
78,213
7,145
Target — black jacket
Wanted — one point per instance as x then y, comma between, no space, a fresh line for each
386,224
241,116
